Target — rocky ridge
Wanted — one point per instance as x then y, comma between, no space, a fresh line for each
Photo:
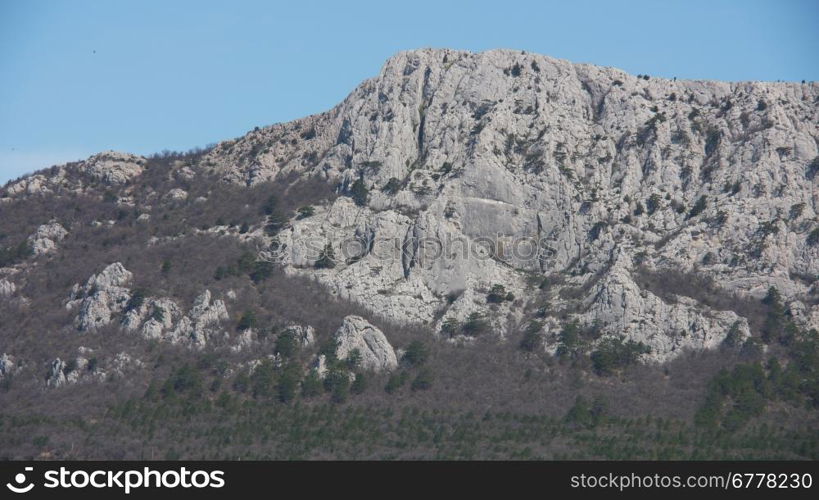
554,182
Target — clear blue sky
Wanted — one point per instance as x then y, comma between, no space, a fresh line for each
77,77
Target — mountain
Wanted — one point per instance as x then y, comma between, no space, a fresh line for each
501,212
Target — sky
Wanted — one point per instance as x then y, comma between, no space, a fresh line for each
79,77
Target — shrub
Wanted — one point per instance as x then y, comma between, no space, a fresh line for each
286,344
337,383
269,206
184,380
531,336
653,203
275,223
813,237
262,270
306,211
423,381
137,300
698,207
712,140
247,321
353,359
359,192
796,210
327,258
13,254
288,383
262,382
813,168
311,386
359,385
392,186
416,354
395,382
595,231
613,354
450,327
569,340
476,324
158,314
497,294
733,339
579,415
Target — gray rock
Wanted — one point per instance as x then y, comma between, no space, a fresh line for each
103,296
497,150
7,288
45,239
357,334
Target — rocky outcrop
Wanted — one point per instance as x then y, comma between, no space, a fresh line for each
357,334
7,288
176,194
8,366
102,297
114,168
202,322
464,173
45,239
153,318
506,167
305,335
110,168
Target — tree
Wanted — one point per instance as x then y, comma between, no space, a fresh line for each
416,354
613,354
476,324
359,384
450,327
496,295
395,382
579,415
359,192
306,211
531,336
327,258
286,344
288,383
137,299
337,383
423,381
698,207
247,321
569,340
311,386
263,380
653,203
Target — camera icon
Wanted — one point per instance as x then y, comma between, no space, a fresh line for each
20,479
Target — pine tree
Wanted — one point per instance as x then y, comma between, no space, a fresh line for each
327,258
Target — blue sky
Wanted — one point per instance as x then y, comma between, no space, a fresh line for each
77,77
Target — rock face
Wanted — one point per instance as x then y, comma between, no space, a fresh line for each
356,334
465,173
505,167
45,239
203,320
112,167
104,295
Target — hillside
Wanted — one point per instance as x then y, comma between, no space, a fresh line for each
465,235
